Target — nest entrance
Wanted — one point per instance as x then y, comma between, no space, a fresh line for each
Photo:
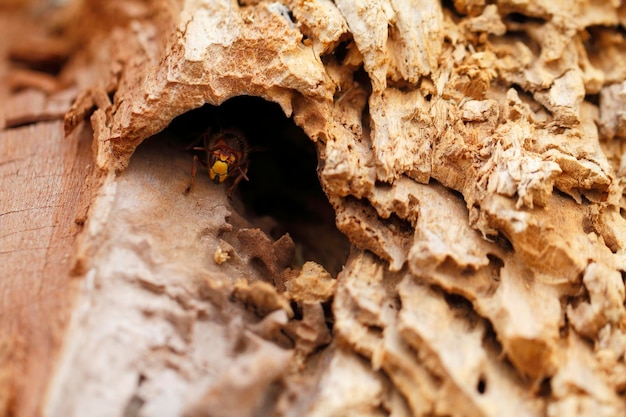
283,194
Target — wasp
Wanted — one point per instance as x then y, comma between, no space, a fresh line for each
226,157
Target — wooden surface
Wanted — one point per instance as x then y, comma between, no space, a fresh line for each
473,156
42,174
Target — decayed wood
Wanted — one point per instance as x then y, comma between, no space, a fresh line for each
473,155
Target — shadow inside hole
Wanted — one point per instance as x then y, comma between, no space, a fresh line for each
283,194
481,385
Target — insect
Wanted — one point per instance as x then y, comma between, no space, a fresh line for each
226,157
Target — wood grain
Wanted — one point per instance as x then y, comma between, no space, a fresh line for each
473,155
43,174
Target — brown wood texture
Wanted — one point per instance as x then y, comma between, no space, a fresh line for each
471,152
43,174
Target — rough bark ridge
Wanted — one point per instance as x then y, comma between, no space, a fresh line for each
473,154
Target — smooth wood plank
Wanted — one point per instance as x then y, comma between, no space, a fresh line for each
42,174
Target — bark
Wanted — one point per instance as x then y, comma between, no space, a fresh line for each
472,154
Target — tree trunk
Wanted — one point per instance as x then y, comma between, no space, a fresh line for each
422,210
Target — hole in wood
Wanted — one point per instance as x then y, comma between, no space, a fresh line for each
283,193
481,386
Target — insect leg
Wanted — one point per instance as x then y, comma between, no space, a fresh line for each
242,175
194,170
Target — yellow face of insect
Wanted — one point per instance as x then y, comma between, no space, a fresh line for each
222,164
